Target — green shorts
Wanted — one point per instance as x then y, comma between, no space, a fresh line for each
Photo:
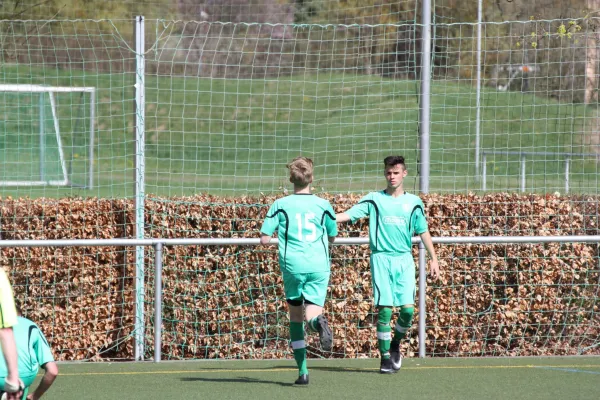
311,286
393,278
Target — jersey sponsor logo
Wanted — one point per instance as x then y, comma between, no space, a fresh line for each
393,220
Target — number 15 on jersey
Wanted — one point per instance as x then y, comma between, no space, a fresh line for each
306,225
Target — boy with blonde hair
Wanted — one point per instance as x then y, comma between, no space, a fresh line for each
305,226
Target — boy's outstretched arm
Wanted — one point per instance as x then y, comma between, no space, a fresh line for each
342,217
264,239
434,265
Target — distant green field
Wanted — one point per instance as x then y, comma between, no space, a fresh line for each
232,136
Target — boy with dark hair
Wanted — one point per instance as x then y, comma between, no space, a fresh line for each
394,217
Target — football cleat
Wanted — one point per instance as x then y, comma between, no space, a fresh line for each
396,356
386,367
325,335
302,380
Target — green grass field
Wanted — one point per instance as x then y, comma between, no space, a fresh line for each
478,378
230,135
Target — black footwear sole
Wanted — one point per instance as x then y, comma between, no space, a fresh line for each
387,371
302,380
325,335
386,367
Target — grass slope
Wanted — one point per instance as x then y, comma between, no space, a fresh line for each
232,135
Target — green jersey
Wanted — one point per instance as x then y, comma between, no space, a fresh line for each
303,222
393,221
33,350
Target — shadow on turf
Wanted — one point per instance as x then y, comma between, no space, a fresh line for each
335,369
234,380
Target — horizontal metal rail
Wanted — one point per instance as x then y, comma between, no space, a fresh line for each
538,153
523,170
256,241
158,245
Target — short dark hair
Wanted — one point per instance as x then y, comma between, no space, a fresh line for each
392,161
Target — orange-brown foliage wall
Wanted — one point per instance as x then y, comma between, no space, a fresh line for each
227,301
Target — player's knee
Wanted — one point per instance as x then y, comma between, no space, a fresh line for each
384,316
406,315
296,311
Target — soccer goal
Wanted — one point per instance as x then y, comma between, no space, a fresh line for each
47,135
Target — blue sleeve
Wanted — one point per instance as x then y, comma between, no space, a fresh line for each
271,221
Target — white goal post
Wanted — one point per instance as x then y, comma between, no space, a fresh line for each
64,173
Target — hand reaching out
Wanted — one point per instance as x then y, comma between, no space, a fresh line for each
434,269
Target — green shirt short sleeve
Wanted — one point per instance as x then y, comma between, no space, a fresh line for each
271,221
419,220
361,209
41,347
329,221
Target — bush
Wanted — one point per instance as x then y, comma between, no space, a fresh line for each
227,301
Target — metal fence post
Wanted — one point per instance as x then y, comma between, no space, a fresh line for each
157,301
422,297
478,100
424,111
483,171
42,138
567,161
139,175
523,172
92,138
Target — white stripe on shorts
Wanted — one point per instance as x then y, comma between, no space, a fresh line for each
298,344
384,335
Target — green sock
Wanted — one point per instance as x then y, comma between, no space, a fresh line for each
313,325
298,345
384,331
403,323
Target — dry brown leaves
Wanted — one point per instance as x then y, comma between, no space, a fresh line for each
227,301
